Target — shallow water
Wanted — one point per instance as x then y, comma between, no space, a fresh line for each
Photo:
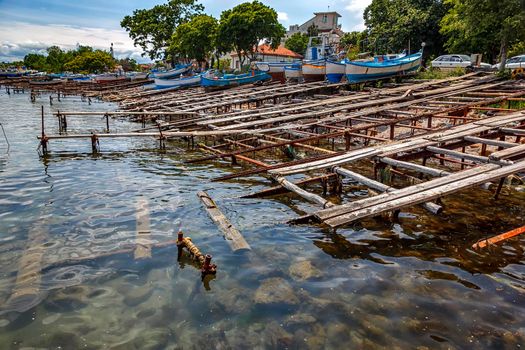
409,284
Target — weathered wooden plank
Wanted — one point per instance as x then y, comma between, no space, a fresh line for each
233,237
507,153
143,233
426,195
407,191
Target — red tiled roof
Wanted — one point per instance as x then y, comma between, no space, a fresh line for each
280,51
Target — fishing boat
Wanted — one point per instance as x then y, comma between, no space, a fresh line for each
137,75
293,72
314,71
177,83
228,80
173,73
357,72
335,71
46,82
109,78
274,69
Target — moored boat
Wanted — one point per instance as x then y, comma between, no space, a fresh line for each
177,83
335,71
314,71
274,69
173,73
293,72
234,80
357,72
109,78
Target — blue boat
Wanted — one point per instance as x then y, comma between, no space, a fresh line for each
335,71
358,72
233,79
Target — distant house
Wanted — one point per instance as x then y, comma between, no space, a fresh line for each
266,54
325,22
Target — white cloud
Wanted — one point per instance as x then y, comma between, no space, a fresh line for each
282,16
356,9
19,38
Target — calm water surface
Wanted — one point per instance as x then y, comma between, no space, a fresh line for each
412,284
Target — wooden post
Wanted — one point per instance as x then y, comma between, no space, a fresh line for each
500,186
107,122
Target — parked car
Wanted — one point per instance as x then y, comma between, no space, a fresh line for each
455,61
513,62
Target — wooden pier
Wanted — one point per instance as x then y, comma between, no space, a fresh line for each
443,136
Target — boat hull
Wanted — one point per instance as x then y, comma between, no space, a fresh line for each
293,73
173,73
177,83
313,72
274,69
235,80
358,72
335,71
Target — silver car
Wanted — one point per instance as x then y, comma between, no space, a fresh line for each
514,62
455,61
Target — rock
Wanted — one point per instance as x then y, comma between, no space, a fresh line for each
303,270
137,295
4,322
67,299
275,290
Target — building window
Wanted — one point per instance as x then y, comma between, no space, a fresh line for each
325,18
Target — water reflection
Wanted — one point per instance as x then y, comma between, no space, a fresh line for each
377,284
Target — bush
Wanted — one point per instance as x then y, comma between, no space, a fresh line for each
436,73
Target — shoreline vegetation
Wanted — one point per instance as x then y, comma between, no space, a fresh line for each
180,31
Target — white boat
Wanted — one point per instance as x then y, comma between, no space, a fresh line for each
138,75
335,71
177,83
314,71
293,72
274,69
357,72
173,73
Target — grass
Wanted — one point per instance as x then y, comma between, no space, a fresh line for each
433,73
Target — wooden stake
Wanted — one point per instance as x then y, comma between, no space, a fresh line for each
493,240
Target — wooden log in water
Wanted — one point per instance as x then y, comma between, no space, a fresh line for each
233,237
143,234
26,291
493,240
305,194
375,185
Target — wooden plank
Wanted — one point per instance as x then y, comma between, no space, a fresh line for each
376,185
489,142
233,237
508,153
143,233
404,192
414,167
426,195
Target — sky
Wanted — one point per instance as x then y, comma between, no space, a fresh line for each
33,25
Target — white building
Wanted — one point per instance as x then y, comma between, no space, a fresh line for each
266,54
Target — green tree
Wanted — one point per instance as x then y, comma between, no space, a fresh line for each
312,31
245,25
55,60
484,26
195,39
96,61
35,61
392,24
151,29
297,42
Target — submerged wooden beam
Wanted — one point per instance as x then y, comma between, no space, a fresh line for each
143,240
233,237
